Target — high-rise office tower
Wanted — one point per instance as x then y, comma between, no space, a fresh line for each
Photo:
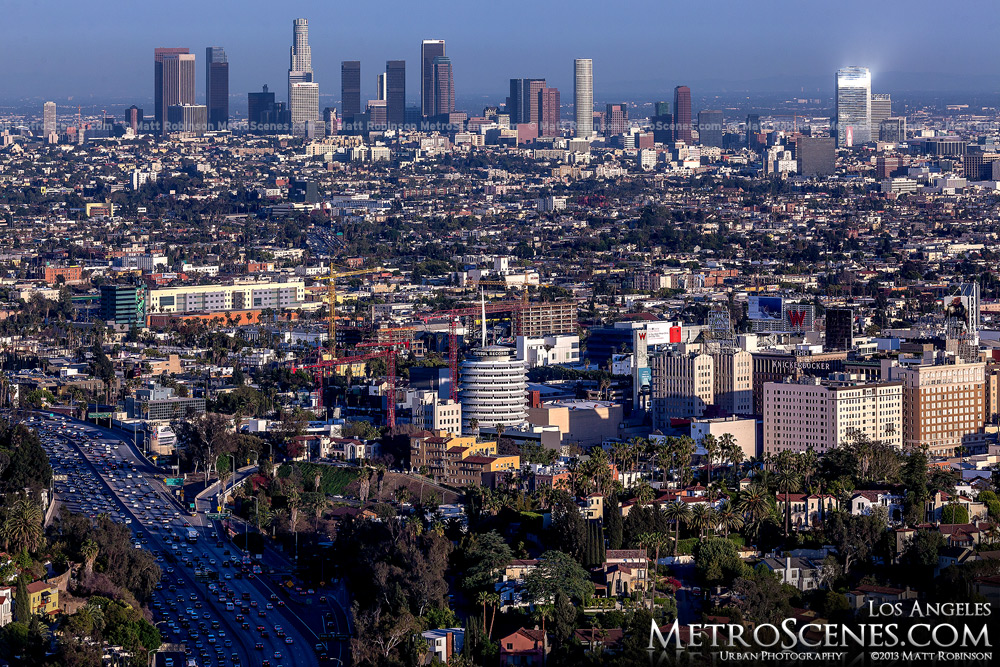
682,114
217,87
303,93
429,50
49,118
892,130
583,96
303,108
854,106
380,87
753,129
260,110
167,82
350,88
881,110
522,105
711,125
395,92
615,120
815,156
663,123
548,112
443,85
133,119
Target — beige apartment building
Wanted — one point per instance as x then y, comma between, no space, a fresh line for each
683,385
817,413
943,404
686,382
239,295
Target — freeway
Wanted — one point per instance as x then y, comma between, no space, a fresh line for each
208,597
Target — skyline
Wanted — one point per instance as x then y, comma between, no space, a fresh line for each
796,57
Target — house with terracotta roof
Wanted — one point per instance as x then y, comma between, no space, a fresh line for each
6,611
624,571
937,503
524,648
43,597
863,594
863,502
807,511
605,640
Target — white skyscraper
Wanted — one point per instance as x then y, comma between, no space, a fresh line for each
49,118
583,96
854,106
303,94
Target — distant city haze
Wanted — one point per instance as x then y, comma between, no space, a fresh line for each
103,50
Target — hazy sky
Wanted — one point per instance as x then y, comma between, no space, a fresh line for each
104,48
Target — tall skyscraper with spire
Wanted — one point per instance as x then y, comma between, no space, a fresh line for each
429,50
303,92
217,87
583,96
173,81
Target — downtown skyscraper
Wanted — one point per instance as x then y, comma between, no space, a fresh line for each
303,92
217,87
548,112
173,81
350,88
682,115
429,50
583,96
395,92
522,105
443,85
854,106
49,125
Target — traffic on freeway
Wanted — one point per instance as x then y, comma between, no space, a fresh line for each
209,597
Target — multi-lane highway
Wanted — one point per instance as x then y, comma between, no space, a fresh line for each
209,598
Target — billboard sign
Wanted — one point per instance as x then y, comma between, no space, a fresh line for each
765,308
645,377
799,317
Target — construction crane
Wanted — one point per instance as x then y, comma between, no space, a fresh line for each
389,353
332,299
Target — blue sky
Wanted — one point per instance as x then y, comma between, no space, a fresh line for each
103,48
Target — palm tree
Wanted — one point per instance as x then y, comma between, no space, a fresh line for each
664,457
755,506
655,541
482,599
22,526
729,519
731,452
702,519
89,551
808,464
494,602
711,446
677,512
644,494
788,481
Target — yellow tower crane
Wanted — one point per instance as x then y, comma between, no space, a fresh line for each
332,299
